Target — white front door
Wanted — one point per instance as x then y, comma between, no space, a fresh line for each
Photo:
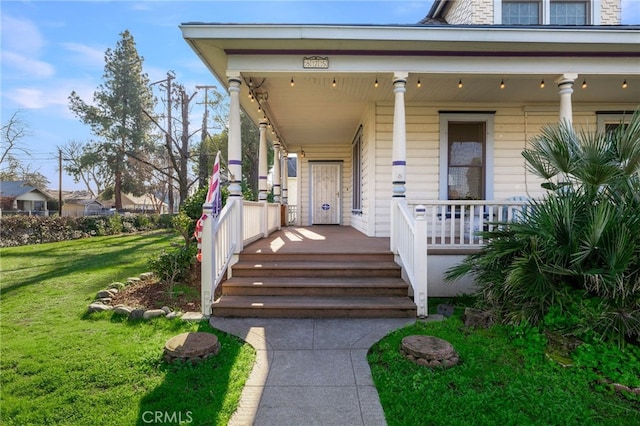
325,193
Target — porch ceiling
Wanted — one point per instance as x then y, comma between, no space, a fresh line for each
314,112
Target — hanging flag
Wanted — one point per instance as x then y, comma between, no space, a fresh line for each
214,197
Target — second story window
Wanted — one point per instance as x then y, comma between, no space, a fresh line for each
521,12
544,12
568,13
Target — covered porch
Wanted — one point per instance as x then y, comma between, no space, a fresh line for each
369,112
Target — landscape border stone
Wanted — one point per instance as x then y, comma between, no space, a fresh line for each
102,302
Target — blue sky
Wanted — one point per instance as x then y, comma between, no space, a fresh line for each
50,48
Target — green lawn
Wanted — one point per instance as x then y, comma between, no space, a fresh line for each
61,366
503,379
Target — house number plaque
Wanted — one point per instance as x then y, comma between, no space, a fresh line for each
315,62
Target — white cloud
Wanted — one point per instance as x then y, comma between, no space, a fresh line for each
29,67
91,56
21,35
28,98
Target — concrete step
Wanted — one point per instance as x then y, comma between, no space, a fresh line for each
314,307
314,286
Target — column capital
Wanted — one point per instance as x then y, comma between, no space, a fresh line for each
400,75
565,78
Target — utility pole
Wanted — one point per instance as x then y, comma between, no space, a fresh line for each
59,182
166,84
202,156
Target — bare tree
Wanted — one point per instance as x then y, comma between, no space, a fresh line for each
13,131
85,164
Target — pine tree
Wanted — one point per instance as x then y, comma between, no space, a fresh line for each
117,116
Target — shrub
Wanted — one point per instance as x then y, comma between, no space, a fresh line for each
173,266
576,252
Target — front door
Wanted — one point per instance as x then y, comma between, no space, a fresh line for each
325,193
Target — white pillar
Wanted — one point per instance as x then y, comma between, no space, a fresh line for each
399,159
276,171
262,163
285,177
235,142
565,86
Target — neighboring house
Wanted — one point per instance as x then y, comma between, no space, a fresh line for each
78,207
434,114
139,204
20,197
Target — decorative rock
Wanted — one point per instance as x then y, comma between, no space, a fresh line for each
477,318
192,316
191,347
147,276
166,309
445,310
136,314
98,307
116,285
152,313
174,314
105,300
122,310
133,280
105,293
429,351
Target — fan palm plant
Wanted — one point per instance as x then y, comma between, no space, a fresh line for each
578,248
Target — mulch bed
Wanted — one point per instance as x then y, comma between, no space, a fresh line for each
155,294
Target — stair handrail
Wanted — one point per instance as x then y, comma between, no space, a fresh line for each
409,245
219,245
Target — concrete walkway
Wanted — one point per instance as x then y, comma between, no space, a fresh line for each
310,371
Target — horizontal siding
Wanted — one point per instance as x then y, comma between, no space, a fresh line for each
513,130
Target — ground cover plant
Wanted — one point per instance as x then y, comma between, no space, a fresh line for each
503,378
62,366
572,261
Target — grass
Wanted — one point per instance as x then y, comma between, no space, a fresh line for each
502,379
62,366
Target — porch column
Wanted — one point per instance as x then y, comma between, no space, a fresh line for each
285,177
565,86
399,160
276,171
262,163
235,143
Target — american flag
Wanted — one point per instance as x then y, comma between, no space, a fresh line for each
214,197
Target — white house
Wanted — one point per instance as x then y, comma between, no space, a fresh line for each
390,117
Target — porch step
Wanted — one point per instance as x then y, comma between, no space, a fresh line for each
301,269
315,285
314,307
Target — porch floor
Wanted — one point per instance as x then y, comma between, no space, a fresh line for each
318,239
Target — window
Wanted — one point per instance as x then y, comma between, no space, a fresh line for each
521,12
466,156
609,122
466,161
545,12
356,167
568,13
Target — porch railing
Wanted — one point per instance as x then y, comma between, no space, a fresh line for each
292,214
259,220
457,223
239,223
219,243
409,245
